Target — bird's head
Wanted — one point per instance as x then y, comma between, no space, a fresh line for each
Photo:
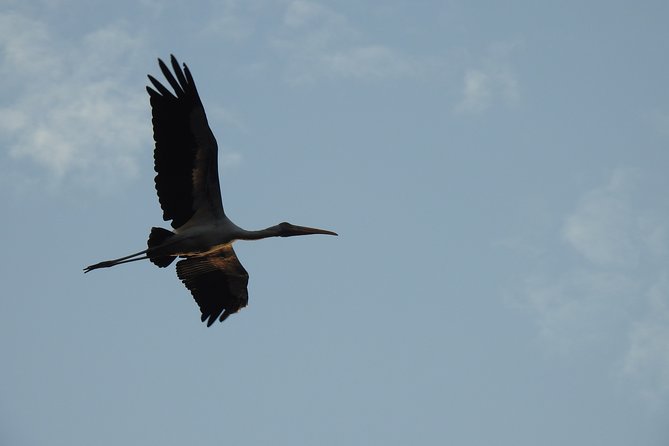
285,229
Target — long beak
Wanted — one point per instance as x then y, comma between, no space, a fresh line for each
304,230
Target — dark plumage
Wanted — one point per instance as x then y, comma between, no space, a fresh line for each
186,165
186,153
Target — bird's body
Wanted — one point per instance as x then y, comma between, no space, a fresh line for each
186,163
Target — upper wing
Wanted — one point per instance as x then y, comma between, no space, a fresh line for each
186,154
218,283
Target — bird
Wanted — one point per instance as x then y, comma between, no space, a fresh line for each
187,183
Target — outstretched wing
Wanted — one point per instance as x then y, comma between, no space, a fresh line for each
186,153
218,283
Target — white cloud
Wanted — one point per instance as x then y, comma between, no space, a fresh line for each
70,109
492,81
230,22
616,293
606,227
374,61
317,42
647,357
577,309
477,92
302,13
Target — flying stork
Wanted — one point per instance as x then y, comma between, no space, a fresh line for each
186,165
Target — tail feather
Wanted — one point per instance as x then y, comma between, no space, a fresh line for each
157,237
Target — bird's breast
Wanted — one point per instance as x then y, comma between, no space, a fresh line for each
203,240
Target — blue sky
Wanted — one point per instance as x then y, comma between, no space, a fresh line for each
496,172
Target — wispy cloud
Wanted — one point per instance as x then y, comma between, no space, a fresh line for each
373,61
69,109
476,92
491,81
318,42
230,21
608,230
614,289
647,358
300,13
578,308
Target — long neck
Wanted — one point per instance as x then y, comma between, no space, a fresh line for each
272,231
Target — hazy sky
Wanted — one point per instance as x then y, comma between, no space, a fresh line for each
497,172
